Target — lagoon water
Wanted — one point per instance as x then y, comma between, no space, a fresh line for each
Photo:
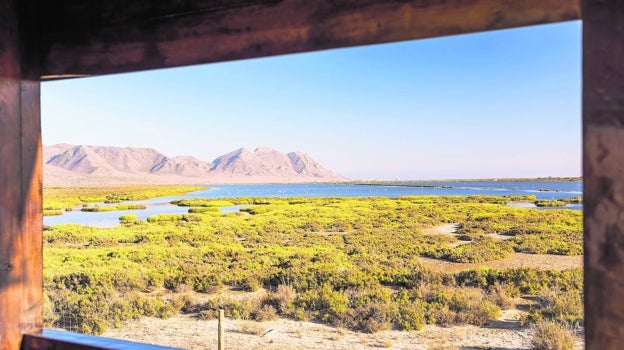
541,189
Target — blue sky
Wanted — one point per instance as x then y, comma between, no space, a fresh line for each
497,104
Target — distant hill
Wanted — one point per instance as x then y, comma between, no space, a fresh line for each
87,165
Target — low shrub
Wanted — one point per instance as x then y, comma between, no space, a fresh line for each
410,316
481,249
565,307
550,203
52,212
127,219
371,318
251,284
326,304
164,218
250,327
502,295
199,210
283,298
265,313
243,309
131,207
202,202
552,336
460,306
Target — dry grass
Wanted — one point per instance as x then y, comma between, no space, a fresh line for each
337,335
552,336
562,306
266,313
250,327
444,346
284,297
502,295
299,332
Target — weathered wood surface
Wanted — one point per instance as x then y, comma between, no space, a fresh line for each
21,267
111,36
603,152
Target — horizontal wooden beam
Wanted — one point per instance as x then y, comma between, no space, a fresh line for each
113,36
53,340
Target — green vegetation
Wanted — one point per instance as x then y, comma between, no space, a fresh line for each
128,219
550,203
207,203
349,262
203,210
522,198
552,336
558,202
52,212
119,207
574,200
61,197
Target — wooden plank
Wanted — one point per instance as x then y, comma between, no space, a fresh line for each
53,340
112,36
21,267
603,171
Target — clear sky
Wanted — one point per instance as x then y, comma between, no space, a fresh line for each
496,104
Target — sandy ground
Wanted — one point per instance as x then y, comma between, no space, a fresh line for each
190,333
451,229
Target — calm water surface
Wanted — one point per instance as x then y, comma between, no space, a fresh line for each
541,189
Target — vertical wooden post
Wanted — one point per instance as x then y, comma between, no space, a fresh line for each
603,171
221,326
20,177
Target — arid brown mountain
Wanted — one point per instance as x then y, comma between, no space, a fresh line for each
84,165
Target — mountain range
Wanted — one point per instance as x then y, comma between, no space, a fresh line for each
87,165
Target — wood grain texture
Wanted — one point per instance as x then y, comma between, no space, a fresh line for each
21,281
54,340
603,171
112,36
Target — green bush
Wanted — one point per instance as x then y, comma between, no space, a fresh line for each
565,307
411,316
52,212
359,266
199,210
283,299
552,336
370,318
265,313
550,203
129,218
164,218
326,304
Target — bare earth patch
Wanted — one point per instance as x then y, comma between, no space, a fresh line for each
444,229
451,230
190,333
